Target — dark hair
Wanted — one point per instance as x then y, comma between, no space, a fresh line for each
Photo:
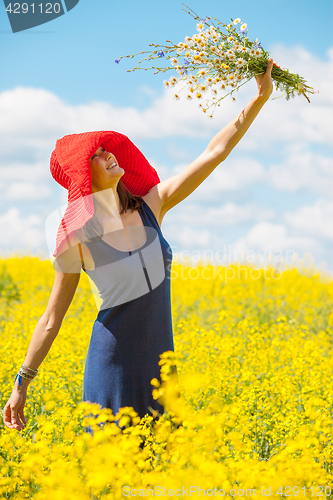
93,228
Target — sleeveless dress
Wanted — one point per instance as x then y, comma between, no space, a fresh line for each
134,324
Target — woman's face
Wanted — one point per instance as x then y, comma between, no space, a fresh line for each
105,171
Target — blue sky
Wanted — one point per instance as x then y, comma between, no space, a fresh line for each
273,190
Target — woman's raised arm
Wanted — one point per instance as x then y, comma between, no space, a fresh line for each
172,191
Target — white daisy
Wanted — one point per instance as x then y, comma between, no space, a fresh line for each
240,62
172,81
202,88
236,21
202,72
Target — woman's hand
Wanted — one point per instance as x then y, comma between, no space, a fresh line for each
13,415
264,81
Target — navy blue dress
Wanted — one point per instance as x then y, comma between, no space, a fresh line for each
134,324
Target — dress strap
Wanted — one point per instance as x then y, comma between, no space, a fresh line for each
82,262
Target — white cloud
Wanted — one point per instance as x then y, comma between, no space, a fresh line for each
21,232
315,221
230,175
303,169
188,237
28,191
266,236
229,214
22,171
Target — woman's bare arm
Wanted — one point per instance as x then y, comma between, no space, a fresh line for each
172,191
48,326
46,330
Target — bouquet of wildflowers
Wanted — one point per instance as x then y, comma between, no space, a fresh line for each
212,61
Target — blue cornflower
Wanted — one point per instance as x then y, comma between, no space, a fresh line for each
117,61
160,53
186,62
204,20
184,72
257,44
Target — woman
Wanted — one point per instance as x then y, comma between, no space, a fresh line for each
134,323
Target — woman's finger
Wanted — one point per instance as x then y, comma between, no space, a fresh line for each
7,417
15,420
269,65
22,417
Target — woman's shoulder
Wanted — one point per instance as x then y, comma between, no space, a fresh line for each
68,258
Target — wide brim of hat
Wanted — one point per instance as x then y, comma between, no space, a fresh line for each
71,168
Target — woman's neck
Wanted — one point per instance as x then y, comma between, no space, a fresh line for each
107,209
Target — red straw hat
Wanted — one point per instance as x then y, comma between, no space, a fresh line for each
70,167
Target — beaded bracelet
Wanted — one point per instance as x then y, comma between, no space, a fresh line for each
25,372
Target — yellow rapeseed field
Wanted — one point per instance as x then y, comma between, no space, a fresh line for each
254,416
